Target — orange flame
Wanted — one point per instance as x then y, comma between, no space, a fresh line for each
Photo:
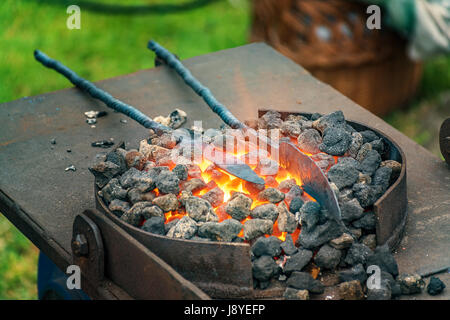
229,184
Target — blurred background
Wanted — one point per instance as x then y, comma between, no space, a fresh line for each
326,37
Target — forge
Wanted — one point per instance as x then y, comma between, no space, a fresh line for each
52,206
221,263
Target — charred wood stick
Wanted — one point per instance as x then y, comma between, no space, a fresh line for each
100,94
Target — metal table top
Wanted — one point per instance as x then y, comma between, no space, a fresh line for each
42,199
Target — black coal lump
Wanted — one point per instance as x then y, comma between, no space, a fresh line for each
310,215
356,272
264,268
343,174
296,205
288,245
367,221
358,253
366,194
181,171
435,286
269,246
334,119
154,225
369,136
304,281
382,177
378,145
336,141
298,261
383,258
371,162
118,159
327,257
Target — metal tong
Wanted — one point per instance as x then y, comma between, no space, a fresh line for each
232,165
313,180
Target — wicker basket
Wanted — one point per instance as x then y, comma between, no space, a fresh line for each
330,39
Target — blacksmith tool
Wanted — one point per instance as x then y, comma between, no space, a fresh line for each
231,165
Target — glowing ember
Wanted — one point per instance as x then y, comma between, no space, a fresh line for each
215,177
211,204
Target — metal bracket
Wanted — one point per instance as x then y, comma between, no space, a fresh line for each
87,249
444,140
115,256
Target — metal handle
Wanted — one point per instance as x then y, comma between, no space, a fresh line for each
100,94
192,82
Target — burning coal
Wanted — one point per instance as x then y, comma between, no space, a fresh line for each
173,186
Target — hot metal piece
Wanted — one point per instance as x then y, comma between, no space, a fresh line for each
241,171
312,178
231,164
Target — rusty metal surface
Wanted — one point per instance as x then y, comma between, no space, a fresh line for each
92,260
206,263
33,180
132,266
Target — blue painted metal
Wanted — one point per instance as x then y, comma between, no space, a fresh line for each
52,282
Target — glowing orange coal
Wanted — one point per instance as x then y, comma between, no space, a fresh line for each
230,184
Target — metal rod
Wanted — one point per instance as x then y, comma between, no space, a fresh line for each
192,82
135,114
428,273
100,94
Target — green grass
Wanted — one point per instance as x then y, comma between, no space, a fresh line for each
18,264
106,46
436,78
422,119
